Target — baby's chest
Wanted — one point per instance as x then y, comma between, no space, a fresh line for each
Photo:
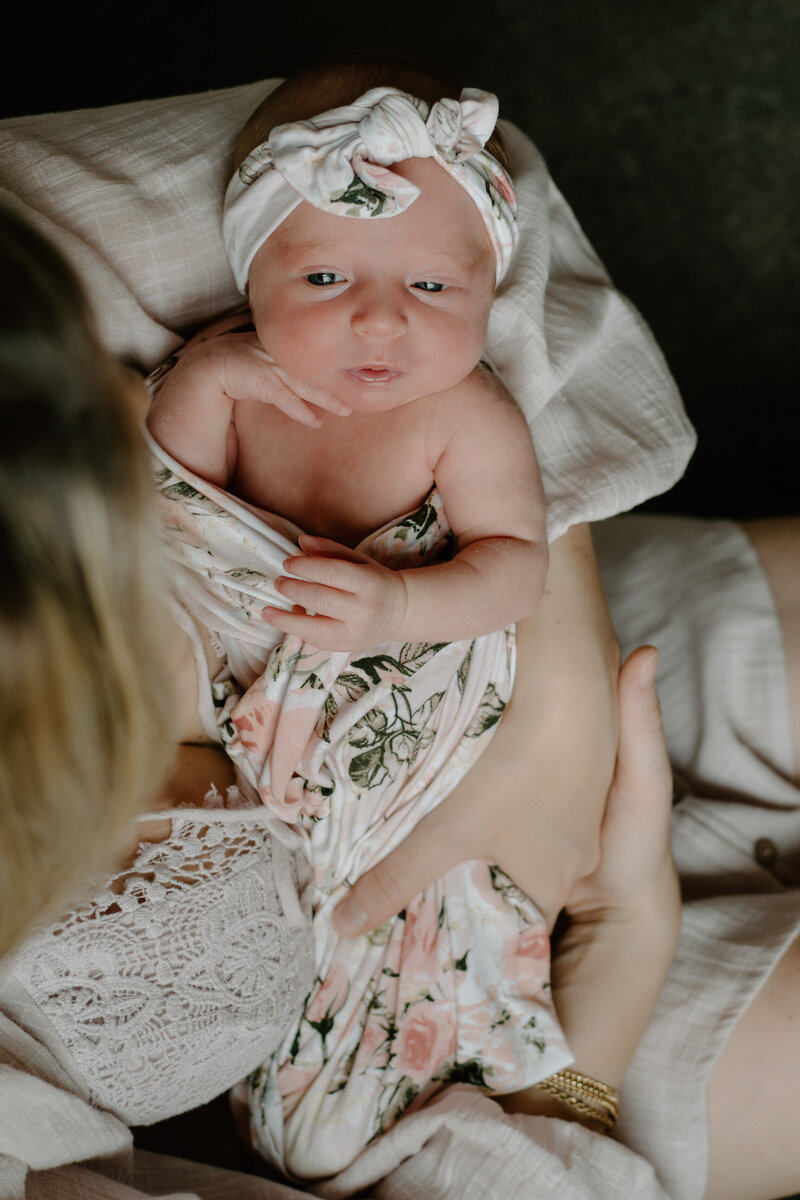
342,481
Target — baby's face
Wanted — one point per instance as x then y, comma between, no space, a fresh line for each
378,311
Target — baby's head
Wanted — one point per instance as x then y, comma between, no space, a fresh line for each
393,304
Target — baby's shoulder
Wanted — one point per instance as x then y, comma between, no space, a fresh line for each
478,400
237,321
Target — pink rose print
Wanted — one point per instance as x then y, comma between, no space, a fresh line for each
526,960
330,997
420,936
255,718
373,1048
427,1038
503,185
293,1083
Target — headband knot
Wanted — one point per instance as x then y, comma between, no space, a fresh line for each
340,162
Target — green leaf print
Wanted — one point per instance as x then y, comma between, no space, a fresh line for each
379,664
184,491
353,685
361,195
402,1095
368,769
463,670
468,1072
507,888
489,713
421,520
417,654
329,711
245,575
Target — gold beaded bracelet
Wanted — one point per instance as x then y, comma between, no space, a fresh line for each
584,1095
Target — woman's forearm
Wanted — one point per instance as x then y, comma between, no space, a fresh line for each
624,919
557,742
606,979
534,800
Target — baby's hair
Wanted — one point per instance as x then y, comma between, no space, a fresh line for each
84,704
339,81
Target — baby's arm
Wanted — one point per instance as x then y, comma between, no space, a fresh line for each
483,461
485,467
192,413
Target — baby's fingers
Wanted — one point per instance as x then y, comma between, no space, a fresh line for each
326,548
269,386
322,632
313,394
339,573
315,598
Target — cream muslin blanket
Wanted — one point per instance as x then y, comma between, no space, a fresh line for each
350,751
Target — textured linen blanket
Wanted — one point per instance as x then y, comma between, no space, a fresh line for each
348,752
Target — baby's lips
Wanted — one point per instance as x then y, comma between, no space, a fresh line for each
375,374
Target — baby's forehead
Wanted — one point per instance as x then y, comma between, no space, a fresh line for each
442,219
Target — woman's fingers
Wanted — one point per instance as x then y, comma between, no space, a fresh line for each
643,777
635,860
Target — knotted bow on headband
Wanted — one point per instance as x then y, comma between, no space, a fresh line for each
339,162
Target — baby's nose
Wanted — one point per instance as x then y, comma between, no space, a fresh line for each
379,315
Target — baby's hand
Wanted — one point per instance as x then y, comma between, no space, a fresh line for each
191,414
356,601
238,367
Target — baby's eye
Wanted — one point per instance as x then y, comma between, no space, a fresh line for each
324,278
427,285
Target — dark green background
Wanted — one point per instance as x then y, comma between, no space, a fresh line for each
672,128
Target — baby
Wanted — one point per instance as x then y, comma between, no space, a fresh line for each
370,240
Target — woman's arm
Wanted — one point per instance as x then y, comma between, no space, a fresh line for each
624,919
533,802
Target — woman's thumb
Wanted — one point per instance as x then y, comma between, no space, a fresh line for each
382,892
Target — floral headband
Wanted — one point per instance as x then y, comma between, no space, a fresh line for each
339,161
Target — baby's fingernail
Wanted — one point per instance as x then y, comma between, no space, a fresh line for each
349,919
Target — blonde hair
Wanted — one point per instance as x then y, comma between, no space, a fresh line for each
339,81
84,706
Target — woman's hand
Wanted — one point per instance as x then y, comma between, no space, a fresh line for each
623,919
534,801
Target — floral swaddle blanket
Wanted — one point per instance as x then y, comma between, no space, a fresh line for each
350,751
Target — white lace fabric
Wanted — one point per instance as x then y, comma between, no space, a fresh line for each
182,973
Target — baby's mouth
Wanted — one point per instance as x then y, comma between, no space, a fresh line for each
373,374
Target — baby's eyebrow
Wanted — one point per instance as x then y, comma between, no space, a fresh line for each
303,250
468,254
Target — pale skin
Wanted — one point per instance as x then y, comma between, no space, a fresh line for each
385,320
627,933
